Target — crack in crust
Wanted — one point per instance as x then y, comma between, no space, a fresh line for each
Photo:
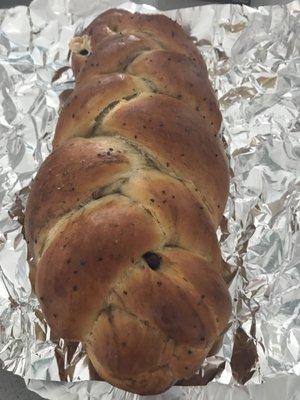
118,186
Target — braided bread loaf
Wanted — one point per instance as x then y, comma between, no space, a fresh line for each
121,218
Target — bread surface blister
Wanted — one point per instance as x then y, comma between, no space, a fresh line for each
122,215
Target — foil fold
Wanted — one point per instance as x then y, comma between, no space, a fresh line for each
253,57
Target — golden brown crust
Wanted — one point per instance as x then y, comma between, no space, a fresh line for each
181,217
126,358
174,134
121,218
166,305
211,288
87,101
113,54
164,70
79,170
88,253
116,326
167,33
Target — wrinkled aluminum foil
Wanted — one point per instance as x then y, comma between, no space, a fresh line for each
253,56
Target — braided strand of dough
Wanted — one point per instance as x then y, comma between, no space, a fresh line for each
121,218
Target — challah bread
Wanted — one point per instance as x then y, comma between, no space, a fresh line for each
121,217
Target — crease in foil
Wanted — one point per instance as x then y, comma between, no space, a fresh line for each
254,63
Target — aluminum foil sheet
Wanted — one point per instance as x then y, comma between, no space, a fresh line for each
253,56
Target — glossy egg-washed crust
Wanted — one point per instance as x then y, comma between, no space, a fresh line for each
121,218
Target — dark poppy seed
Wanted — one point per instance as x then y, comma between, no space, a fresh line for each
75,288
124,292
152,259
84,52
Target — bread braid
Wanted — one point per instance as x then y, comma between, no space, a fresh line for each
122,215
